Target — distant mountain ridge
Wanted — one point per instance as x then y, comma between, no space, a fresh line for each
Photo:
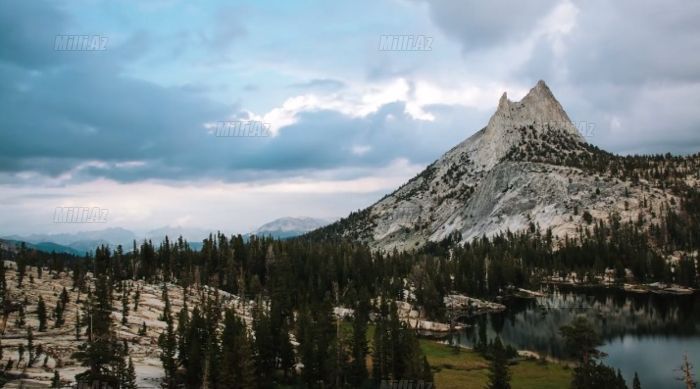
86,241
287,227
79,243
47,247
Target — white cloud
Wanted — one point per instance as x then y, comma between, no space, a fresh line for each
231,207
361,149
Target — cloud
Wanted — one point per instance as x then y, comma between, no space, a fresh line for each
603,60
27,32
343,114
320,83
480,24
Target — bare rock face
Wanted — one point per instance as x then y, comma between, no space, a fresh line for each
518,171
538,111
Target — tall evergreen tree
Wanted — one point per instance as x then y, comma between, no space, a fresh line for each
21,263
358,368
65,299
3,281
582,341
125,305
264,348
100,351
21,318
212,347
58,314
499,374
30,346
130,376
168,345
237,367
196,343
183,319
636,384
41,314
56,380
137,299
380,347
77,324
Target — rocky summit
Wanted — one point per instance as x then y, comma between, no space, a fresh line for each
528,168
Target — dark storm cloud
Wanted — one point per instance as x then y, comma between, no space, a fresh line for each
478,24
92,123
79,118
631,42
27,33
617,67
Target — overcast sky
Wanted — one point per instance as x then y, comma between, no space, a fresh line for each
128,128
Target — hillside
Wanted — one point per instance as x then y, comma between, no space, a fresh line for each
528,167
59,342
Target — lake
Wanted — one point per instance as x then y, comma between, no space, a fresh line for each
646,333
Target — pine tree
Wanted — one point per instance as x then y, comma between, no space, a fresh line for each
125,305
286,350
64,297
100,351
168,345
77,324
635,382
499,375
3,295
427,371
21,318
21,263
582,341
30,346
56,380
396,351
58,313
3,281
183,319
120,365
143,331
196,342
137,299
130,376
41,314
230,350
360,349
264,347
380,350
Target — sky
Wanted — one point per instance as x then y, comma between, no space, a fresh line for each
130,127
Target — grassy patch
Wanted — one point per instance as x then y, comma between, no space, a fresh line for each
467,369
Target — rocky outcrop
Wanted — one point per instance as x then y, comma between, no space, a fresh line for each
517,172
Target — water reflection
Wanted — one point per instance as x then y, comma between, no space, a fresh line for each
642,332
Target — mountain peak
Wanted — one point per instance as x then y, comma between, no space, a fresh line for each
503,102
286,227
541,93
528,167
539,110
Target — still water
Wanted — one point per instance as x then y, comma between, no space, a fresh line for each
646,333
